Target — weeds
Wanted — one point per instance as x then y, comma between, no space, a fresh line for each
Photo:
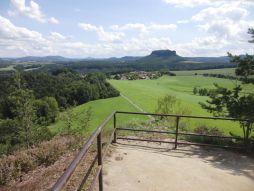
13,166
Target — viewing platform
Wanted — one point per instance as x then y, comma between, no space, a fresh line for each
142,166
120,161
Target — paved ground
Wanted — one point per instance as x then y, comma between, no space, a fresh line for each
151,167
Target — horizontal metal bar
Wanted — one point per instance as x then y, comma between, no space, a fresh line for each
208,145
180,133
204,135
95,178
179,143
68,172
144,130
183,116
147,140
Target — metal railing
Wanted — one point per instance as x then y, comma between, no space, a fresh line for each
97,134
177,133
61,182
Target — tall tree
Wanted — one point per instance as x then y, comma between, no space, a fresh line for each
233,103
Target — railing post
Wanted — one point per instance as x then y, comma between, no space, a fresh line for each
177,126
114,140
99,150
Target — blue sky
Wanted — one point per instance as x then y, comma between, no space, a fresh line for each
85,28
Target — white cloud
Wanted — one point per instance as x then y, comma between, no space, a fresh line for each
143,27
227,21
225,29
222,34
229,11
145,30
212,46
87,27
194,3
53,20
57,36
188,3
9,31
32,11
20,41
102,34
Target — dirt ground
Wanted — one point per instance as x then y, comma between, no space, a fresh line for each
151,167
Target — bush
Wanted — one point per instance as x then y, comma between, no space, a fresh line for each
204,130
13,166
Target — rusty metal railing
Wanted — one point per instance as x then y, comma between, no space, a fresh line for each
61,182
177,133
59,185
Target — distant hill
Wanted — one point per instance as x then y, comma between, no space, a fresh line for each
163,53
39,59
157,60
221,59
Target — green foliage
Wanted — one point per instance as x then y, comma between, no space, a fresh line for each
225,102
251,32
204,130
171,105
46,109
30,102
68,119
86,119
195,90
245,66
229,102
20,103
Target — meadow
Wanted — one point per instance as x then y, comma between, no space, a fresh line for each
100,110
145,94
224,71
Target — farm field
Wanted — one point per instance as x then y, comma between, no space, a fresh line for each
224,71
145,94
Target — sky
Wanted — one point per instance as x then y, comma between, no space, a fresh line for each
115,28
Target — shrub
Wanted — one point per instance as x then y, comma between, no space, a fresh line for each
204,130
12,167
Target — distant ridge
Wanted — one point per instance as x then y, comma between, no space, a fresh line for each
39,59
156,54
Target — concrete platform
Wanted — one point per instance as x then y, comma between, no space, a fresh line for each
141,166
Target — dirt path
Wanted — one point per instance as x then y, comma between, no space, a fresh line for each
141,168
136,106
132,103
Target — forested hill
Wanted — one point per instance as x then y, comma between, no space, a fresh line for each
157,60
33,99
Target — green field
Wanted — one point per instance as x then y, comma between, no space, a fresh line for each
224,71
8,68
145,94
101,109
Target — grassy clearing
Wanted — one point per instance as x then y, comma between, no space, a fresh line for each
101,109
8,68
224,71
145,93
